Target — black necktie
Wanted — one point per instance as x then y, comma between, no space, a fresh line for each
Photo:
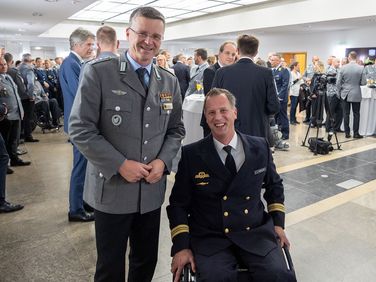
141,77
230,162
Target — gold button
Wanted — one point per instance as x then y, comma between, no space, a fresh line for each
224,198
227,230
246,211
248,197
248,228
225,213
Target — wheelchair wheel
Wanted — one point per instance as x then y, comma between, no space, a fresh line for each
39,120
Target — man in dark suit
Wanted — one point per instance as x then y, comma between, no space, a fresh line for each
182,72
226,56
81,44
253,87
217,218
282,81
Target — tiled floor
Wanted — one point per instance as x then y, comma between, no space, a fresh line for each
332,229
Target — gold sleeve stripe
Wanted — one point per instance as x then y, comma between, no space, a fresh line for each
182,228
276,207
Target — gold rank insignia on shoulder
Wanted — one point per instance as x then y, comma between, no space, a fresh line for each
201,175
119,92
202,183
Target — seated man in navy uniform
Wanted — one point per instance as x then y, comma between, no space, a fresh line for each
217,218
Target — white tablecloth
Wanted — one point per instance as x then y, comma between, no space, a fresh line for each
192,111
367,123
367,120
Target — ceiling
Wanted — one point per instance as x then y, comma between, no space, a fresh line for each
26,20
119,11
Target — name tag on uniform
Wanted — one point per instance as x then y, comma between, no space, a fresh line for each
167,106
258,171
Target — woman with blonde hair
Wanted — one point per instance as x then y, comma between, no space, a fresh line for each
162,62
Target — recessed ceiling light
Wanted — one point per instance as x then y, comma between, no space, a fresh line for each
38,48
51,0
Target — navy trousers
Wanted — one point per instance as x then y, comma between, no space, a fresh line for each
222,266
77,182
283,120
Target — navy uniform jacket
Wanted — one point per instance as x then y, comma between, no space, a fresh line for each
255,92
282,80
41,76
208,213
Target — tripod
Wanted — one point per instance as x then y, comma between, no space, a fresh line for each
320,104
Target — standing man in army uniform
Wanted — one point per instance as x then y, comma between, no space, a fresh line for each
10,126
127,121
216,213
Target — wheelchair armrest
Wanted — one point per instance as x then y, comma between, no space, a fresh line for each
288,259
187,274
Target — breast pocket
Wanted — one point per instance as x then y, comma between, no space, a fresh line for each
118,112
164,117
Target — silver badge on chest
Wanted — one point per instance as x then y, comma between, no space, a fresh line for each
116,120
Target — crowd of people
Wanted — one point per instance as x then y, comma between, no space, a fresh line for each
123,115
28,91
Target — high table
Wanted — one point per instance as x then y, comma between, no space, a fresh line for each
367,119
367,123
192,111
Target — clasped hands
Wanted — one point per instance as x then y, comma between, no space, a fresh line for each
134,171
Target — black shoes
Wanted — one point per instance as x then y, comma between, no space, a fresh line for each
88,208
348,135
19,162
31,139
358,136
9,170
8,207
81,216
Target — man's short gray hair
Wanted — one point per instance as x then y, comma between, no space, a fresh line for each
147,12
79,36
26,58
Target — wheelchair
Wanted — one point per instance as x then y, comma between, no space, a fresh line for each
187,274
40,120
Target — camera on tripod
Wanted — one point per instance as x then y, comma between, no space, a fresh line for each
318,98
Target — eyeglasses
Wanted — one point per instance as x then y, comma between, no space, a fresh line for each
144,35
